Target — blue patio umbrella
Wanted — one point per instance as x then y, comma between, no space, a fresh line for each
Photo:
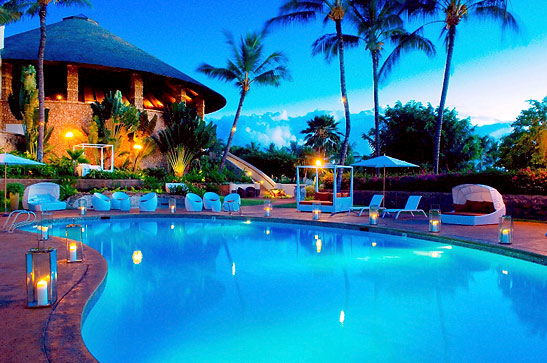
384,162
8,159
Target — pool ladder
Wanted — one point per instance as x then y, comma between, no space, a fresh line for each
11,223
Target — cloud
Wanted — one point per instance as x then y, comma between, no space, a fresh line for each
281,116
279,136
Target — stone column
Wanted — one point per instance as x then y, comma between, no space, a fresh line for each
200,106
137,91
180,94
72,82
7,76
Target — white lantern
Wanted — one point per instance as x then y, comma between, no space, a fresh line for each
505,230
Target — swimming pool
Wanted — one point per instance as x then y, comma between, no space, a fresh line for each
229,290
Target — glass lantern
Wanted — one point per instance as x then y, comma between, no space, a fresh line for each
316,211
41,277
435,220
373,214
505,230
44,226
172,205
267,208
74,236
82,206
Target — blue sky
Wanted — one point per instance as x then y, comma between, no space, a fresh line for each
494,73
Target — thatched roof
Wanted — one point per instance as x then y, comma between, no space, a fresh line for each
80,40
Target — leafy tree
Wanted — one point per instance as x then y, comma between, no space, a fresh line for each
407,133
76,157
378,22
144,144
526,145
249,64
33,8
186,137
301,11
322,135
453,12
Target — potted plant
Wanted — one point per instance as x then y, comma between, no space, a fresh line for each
15,190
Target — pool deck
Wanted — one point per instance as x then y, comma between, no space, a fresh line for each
53,334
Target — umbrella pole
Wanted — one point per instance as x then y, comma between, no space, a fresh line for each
384,192
5,189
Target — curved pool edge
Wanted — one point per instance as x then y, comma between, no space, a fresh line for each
63,339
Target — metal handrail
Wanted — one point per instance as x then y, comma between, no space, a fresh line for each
11,223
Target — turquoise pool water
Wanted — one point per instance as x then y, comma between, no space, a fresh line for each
215,291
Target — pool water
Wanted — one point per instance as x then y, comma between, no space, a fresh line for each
214,291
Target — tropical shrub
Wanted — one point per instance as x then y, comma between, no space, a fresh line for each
116,174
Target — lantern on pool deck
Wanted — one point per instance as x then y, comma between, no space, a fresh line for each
316,211
435,220
74,237
505,230
373,214
44,226
82,206
41,277
267,208
172,205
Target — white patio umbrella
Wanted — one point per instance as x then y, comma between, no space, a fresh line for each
384,162
8,159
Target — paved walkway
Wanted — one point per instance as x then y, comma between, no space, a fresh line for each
53,334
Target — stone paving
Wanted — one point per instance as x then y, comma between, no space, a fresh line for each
53,333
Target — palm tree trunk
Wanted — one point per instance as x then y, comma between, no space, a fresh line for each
440,112
41,96
375,62
229,142
345,143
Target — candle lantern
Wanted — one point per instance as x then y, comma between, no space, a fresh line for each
74,237
41,277
316,211
44,226
82,206
505,230
267,208
435,220
172,205
373,214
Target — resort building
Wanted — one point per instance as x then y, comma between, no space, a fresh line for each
83,62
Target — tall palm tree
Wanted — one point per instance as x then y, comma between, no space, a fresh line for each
378,22
322,135
40,7
453,12
249,65
306,10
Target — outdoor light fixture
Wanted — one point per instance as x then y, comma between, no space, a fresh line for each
82,206
435,219
505,230
137,257
41,277
318,162
44,226
74,237
267,208
69,135
373,214
316,211
172,205
137,147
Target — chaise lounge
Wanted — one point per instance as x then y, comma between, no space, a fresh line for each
42,197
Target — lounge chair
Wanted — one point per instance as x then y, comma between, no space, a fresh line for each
212,201
42,197
120,201
410,207
148,202
474,205
232,203
193,203
100,202
375,201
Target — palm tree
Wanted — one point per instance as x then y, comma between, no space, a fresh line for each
248,65
454,11
40,7
322,135
378,22
305,10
